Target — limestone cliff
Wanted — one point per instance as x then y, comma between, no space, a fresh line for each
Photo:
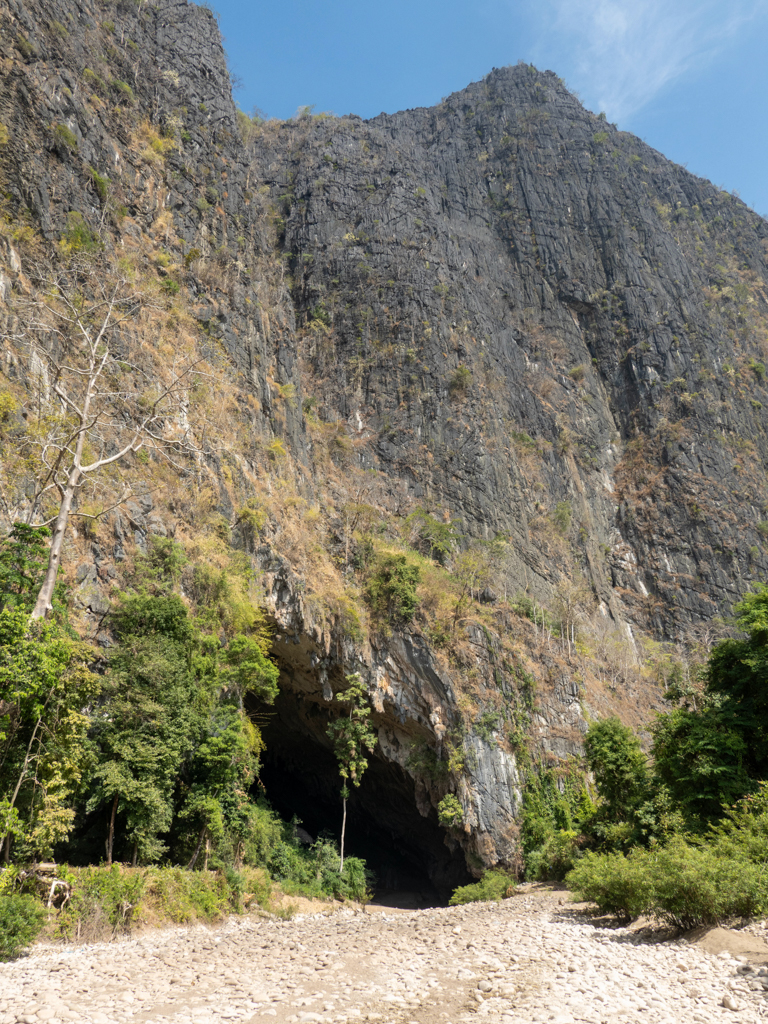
500,312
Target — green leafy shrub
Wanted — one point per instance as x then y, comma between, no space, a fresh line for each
78,237
314,871
555,857
25,48
561,516
96,82
100,182
494,885
460,381
695,886
170,287
67,136
391,588
21,920
758,369
103,900
123,90
449,811
619,885
710,880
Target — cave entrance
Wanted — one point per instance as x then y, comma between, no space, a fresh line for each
406,851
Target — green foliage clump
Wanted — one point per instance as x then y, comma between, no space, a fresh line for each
433,537
67,136
101,899
45,683
101,183
78,236
561,516
460,382
622,780
123,90
391,588
96,82
701,880
758,369
494,885
316,871
619,885
555,803
4,135
712,754
450,812
21,921
25,48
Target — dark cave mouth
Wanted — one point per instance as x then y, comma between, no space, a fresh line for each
405,850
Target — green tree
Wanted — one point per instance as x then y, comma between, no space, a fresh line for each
145,727
392,587
711,754
225,761
45,683
738,673
701,759
622,780
23,554
433,537
352,736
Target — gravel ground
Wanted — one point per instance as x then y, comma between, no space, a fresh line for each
532,958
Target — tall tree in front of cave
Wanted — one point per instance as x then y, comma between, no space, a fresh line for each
353,736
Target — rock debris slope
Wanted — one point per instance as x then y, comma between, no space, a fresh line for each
523,961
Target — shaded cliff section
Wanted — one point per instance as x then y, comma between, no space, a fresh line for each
528,307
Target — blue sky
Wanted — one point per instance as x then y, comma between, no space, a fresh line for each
688,76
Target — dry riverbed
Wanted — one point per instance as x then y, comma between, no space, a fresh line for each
532,958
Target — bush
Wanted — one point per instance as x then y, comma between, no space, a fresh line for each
100,183
449,812
555,857
460,381
78,237
619,885
682,884
123,90
392,587
103,901
21,920
314,871
494,885
694,886
67,136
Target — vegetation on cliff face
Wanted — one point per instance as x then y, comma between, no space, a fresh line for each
488,379
680,836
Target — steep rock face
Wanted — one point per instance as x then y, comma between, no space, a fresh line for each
610,310
138,97
522,318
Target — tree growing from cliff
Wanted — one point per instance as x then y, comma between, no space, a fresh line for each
352,736
87,409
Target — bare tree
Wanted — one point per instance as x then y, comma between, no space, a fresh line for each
88,409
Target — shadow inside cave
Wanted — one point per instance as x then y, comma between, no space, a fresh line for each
413,864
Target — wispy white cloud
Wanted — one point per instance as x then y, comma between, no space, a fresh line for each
622,53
